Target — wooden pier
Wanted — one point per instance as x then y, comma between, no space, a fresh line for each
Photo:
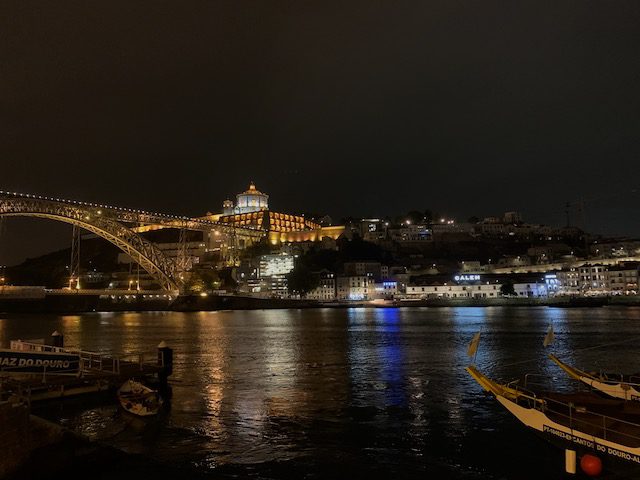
95,372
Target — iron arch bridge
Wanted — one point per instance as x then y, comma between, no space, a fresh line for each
117,225
150,257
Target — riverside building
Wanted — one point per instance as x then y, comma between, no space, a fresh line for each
355,287
623,279
326,289
273,272
453,290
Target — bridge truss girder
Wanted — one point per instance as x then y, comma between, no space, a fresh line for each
163,269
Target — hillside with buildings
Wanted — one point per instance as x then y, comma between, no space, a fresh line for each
417,255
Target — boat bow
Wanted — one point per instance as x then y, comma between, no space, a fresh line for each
612,388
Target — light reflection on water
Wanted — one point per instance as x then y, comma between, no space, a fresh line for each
377,388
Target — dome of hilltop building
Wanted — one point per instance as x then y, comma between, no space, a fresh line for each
251,200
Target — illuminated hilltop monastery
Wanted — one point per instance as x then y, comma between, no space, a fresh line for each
252,210
253,221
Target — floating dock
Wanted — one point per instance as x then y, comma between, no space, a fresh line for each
32,371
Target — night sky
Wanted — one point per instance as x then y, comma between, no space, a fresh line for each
349,108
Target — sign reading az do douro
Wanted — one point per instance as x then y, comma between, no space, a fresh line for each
38,362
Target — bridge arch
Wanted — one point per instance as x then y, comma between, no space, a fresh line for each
162,268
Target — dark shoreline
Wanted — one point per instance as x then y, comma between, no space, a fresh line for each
74,304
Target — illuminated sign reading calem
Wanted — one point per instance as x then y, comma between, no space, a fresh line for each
466,278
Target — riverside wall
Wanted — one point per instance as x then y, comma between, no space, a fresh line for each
72,304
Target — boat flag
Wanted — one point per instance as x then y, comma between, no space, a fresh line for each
473,345
549,337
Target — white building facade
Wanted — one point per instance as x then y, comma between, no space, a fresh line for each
530,290
355,287
326,289
386,290
272,273
452,290
622,280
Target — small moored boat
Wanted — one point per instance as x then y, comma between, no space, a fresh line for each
138,399
625,387
606,428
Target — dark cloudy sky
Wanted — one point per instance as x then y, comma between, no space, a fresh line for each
350,108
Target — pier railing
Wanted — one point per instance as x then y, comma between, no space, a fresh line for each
93,362
576,417
613,378
70,371
580,418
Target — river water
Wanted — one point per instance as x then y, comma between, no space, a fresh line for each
339,393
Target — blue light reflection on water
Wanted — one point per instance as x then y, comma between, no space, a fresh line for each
390,352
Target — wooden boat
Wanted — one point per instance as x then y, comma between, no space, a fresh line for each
583,422
625,387
138,399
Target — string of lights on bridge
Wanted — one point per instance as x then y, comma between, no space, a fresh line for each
111,207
